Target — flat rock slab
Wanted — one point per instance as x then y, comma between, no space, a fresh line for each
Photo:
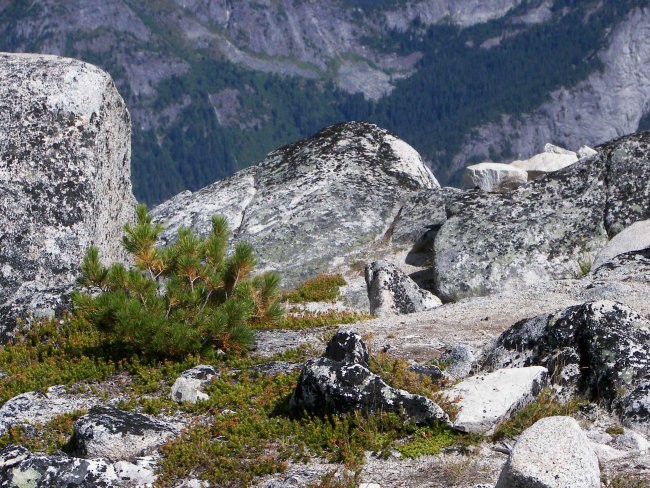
487,400
36,407
553,453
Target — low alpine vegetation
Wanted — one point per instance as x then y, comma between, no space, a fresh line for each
320,288
187,298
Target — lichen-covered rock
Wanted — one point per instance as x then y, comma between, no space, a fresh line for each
636,237
21,468
118,435
39,407
496,177
607,340
630,266
391,292
553,453
487,400
311,203
340,382
459,361
188,387
65,184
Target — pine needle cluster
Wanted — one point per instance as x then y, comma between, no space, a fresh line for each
187,298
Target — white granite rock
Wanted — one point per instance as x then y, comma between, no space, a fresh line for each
496,177
487,400
65,153
189,386
546,162
553,453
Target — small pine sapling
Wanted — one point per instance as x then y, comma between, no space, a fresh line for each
186,298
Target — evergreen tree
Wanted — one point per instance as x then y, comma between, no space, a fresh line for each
186,298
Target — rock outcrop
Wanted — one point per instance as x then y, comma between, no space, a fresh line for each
311,203
340,382
604,346
487,400
492,242
636,237
553,158
553,453
118,435
64,178
496,177
391,292
188,387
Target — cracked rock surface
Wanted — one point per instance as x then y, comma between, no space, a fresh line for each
65,152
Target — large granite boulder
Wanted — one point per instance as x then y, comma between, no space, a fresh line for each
601,347
496,242
553,453
553,158
311,203
65,151
341,382
391,292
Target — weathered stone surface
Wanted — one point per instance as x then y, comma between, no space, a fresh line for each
117,434
496,177
631,266
636,237
188,387
539,232
340,382
64,178
36,407
311,203
553,453
586,151
459,361
21,468
549,161
391,292
607,340
487,400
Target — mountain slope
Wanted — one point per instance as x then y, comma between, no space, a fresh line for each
214,85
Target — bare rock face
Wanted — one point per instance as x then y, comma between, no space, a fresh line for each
65,184
340,382
118,435
496,177
311,203
553,453
636,237
605,343
495,242
391,292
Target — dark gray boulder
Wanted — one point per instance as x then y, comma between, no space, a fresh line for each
65,152
539,232
118,435
603,345
310,204
340,382
391,292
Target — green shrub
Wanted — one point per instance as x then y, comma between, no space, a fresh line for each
320,288
182,299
